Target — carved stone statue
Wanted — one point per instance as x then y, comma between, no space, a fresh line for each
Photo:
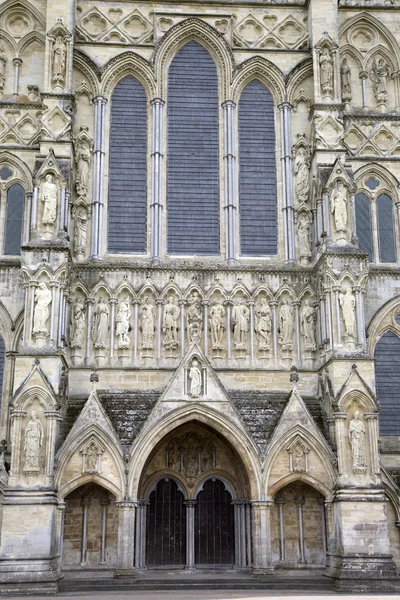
77,323
345,78
357,443
80,231
339,201
170,324
217,325
299,459
326,73
348,304
100,324
123,316
194,317
240,320
263,323
379,76
59,61
91,461
195,379
301,171
33,442
83,156
307,325
304,236
49,197
286,325
3,62
3,469
147,314
42,312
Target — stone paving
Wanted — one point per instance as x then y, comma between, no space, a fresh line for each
215,595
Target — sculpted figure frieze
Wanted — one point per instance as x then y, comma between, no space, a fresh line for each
348,304
304,237
240,321
123,325
286,325
170,324
33,441
59,61
77,323
147,324
42,310
263,323
301,171
339,203
100,324
194,317
80,231
307,325
357,443
217,325
83,157
380,73
49,198
326,73
345,79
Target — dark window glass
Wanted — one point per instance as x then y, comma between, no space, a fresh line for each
127,193
257,172
193,153
387,244
14,219
387,374
363,224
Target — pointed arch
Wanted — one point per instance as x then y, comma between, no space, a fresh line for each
32,36
23,4
179,35
89,69
122,65
261,69
6,158
297,75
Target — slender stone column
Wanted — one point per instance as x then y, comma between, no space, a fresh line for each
27,226
336,290
16,434
159,303
85,503
356,290
104,503
89,303
320,219
323,319
321,502
287,179
354,238
53,287
296,305
228,305
61,518
126,536
280,503
113,302
26,293
340,419
32,286
248,533
375,242
157,158
327,219
61,309
229,165
135,303
329,317
98,176
373,436
242,509
363,76
63,211
299,503
139,558
182,303
206,304
238,537
273,304
190,560
33,234
250,304
261,536
17,62
52,420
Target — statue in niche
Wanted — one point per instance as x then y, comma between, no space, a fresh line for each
77,323
286,325
147,314
123,326
263,323
100,324
301,171
80,231
339,200
48,195
345,78
304,235
59,61
379,76
326,73
194,316
357,443
42,312
195,379
3,62
217,325
83,157
33,442
240,320
307,325
91,459
191,463
348,304
299,459
170,324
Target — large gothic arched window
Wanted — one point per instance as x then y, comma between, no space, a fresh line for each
127,192
257,172
387,375
387,243
193,211
14,219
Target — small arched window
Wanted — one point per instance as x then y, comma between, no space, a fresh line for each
127,192
257,172
387,376
386,239
14,219
364,224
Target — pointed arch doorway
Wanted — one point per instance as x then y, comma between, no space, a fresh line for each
195,511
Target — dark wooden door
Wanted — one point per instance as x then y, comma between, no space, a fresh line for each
214,526
166,526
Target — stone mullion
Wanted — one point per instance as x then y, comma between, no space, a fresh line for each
286,162
98,176
157,157
229,164
374,222
190,550
27,223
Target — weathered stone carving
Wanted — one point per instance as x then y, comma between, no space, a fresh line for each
100,324
191,455
3,62
80,232
286,325
298,456
83,157
345,79
77,323
147,314
195,379
299,459
304,237
217,325
170,324
194,317
33,442
263,323
123,326
326,73
240,321
348,303
59,60
379,75
3,470
91,455
49,197
307,325
42,312
357,443
301,170
339,201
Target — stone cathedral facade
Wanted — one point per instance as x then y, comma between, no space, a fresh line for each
199,289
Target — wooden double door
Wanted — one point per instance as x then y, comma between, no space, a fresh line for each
175,528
